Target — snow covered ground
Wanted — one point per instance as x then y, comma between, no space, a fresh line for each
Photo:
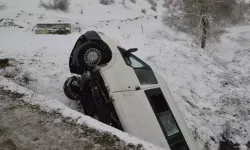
26,127
211,87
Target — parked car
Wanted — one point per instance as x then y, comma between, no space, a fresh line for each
119,89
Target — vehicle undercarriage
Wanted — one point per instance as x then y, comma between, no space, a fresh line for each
92,95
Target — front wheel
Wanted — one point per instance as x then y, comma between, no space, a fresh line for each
91,54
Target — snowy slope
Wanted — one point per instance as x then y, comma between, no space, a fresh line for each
211,87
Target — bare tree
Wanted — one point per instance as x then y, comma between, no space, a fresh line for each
202,18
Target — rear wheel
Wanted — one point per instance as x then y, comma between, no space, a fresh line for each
71,88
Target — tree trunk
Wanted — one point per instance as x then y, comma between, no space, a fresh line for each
203,24
204,33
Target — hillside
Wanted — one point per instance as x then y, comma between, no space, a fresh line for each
211,87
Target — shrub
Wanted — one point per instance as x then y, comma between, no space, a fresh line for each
62,5
81,11
153,8
106,2
143,11
133,1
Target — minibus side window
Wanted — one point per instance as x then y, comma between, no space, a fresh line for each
166,119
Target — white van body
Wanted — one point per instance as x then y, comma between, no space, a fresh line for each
119,89
132,105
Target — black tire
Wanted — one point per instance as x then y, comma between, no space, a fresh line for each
91,54
71,90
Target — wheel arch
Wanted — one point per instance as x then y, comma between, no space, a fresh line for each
88,36
92,36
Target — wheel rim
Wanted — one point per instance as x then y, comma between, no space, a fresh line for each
92,57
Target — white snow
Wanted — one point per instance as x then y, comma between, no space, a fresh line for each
211,87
